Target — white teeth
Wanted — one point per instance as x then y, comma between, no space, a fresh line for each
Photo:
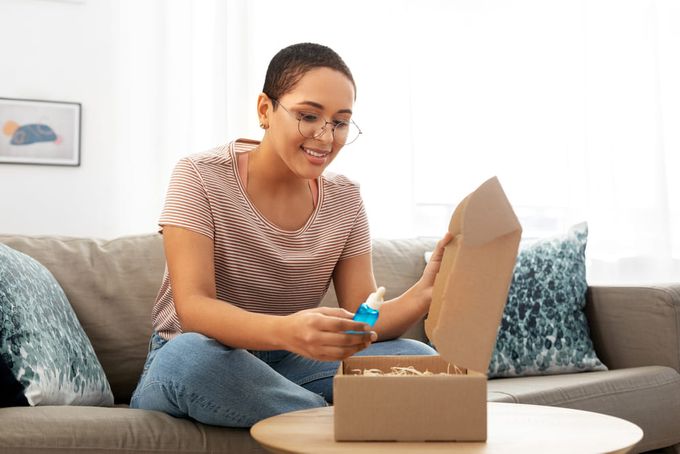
314,153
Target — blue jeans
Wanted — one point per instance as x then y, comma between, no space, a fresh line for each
194,376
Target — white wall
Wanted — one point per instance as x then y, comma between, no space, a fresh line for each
159,79
66,51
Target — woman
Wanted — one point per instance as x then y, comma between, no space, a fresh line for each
253,233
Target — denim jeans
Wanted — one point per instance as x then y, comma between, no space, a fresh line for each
194,376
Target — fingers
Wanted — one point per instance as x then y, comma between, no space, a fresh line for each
338,353
335,312
447,237
347,340
329,334
444,241
339,325
335,320
438,252
335,346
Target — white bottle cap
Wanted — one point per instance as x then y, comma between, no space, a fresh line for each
376,299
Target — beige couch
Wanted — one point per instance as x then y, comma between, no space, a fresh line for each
112,286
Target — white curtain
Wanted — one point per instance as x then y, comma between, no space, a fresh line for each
574,105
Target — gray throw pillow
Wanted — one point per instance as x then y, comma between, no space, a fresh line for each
544,328
41,340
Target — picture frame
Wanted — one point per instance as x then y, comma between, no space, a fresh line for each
40,132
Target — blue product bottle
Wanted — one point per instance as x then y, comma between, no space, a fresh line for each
368,311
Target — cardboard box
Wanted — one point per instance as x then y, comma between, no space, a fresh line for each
468,299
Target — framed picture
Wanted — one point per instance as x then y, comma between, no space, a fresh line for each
39,132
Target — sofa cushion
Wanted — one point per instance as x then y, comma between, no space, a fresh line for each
647,396
112,286
114,430
544,329
41,340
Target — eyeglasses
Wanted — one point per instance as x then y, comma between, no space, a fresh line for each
313,126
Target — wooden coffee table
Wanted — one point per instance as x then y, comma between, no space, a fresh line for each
511,428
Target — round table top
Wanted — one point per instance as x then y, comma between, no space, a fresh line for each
511,428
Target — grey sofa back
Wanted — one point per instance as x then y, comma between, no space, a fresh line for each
112,286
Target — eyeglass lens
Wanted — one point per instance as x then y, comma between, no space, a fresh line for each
314,127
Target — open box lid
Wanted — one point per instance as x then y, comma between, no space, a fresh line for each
471,288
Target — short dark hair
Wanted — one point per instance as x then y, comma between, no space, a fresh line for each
290,64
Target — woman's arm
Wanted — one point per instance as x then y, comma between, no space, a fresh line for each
316,333
354,281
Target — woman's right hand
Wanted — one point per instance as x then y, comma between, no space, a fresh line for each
319,334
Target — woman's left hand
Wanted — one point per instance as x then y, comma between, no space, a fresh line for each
426,282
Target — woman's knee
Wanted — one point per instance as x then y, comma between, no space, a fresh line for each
188,342
412,347
188,364
189,355
401,346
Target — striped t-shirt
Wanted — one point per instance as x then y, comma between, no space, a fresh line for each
259,266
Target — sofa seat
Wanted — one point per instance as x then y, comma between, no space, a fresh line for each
117,430
647,396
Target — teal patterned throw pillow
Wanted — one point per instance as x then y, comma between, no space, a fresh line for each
41,340
544,328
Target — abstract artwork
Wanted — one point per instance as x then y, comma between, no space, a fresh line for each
39,132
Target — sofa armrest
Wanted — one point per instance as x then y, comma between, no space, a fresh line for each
635,325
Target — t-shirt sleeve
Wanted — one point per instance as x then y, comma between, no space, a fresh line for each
359,240
186,203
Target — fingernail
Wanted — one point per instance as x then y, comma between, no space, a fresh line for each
374,336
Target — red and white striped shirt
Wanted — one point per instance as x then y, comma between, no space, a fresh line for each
259,267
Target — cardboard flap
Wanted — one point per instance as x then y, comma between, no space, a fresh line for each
471,288
487,214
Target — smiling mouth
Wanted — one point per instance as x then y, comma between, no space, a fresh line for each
316,154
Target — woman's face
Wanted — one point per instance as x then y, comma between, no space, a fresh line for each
322,93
